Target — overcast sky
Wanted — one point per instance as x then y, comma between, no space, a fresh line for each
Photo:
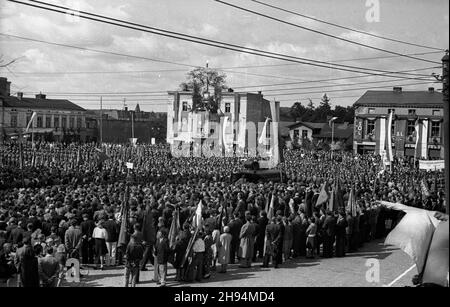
418,21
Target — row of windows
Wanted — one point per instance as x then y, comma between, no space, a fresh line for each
410,111
411,128
48,121
185,107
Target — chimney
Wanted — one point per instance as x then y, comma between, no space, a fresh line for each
41,96
398,89
431,90
5,87
20,95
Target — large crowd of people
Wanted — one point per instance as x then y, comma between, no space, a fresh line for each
80,201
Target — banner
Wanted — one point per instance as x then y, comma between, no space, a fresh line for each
431,165
153,141
130,165
400,128
358,129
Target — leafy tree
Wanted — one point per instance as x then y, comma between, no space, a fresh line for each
198,80
297,111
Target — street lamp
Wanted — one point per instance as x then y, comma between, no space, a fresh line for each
331,123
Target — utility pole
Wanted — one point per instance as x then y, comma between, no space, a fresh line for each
446,127
101,121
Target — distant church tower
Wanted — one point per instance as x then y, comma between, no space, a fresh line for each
137,109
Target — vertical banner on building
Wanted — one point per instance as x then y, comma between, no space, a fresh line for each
382,145
153,141
424,140
417,134
358,129
389,153
400,128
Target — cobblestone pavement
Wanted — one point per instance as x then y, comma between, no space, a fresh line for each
334,272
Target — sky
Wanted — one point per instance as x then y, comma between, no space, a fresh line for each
60,72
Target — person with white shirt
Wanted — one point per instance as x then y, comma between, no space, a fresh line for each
99,236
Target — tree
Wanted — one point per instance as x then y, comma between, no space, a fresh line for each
297,111
199,80
310,104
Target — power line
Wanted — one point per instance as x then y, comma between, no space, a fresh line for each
323,33
216,68
324,80
349,90
346,28
208,42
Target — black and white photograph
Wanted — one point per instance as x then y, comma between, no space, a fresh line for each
218,149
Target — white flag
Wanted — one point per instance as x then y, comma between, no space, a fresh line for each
263,138
31,121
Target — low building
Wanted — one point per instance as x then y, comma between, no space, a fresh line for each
321,133
413,110
56,119
118,126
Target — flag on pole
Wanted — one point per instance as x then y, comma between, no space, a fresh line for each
324,195
263,138
123,235
338,197
33,116
351,205
197,222
331,202
413,234
270,215
174,228
424,187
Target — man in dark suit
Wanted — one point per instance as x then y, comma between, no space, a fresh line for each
262,224
328,234
48,269
235,229
72,240
16,234
87,244
273,239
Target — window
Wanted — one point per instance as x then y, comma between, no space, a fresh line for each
211,131
79,122
185,106
370,127
304,134
411,128
296,134
56,122
14,121
436,112
227,107
412,112
48,121
435,129
39,121
64,122
71,122
371,111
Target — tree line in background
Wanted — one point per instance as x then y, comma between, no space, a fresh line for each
318,114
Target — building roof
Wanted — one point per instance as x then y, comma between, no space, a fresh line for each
402,98
37,103
308,125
